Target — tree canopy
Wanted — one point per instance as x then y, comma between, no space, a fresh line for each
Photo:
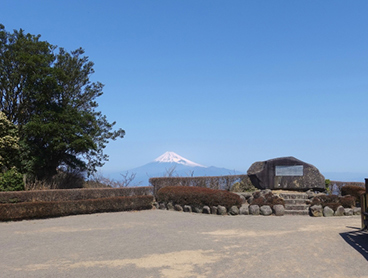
46,93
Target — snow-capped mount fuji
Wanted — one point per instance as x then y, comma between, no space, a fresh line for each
171,157
173,164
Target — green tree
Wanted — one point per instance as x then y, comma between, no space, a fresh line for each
53,103
9,144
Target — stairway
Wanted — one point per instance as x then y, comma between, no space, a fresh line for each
295,203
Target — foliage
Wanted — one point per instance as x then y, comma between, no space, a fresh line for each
215,182
333,201
72,194
245,185
352,190
31,210
197,196
328,186
99,181
11,180
52,102
268,199
9,143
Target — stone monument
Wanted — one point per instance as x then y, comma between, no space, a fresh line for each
287,173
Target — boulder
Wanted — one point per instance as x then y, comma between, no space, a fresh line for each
279,210
357,211
206,210
339,211
327,211
221,210
197,209
170,206
316,211
162,206
187,208
178,207
214,209
254,210
234,210
244,210
286,173
265,210
348,212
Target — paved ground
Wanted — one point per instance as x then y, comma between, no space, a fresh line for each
173,244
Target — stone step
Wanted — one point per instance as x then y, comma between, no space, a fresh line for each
295,201
296,212
296,207
287,196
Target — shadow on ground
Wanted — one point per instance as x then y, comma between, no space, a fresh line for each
357,239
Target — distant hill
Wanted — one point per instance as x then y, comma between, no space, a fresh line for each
175,165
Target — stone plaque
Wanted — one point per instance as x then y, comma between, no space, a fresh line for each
289,171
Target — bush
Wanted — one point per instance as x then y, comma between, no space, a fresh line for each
269,199
353,190
245,185
11,180
333,201
72,194
32,210
347,201
216,182
198,196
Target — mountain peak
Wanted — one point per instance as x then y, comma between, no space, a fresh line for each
171,157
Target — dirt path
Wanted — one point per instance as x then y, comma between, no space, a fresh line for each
173,244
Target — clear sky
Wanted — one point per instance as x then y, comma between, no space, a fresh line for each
222,83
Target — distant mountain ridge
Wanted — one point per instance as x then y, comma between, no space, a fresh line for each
175,165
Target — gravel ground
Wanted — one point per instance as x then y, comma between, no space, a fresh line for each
175,244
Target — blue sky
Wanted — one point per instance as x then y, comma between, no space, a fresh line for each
222,83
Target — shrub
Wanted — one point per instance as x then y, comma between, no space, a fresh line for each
72,194
11,180
347,201
245,185
333,201
352,190
269,199
198,196
215,182
31,210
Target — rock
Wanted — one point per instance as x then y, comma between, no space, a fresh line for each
357,211
348,212
310,194
170,206
221,210
187,208
286,173
178,207
339,211
279,210
316,211
265,210
214,210
244,210
197,209
327,211
156,205
206,210
250,199
254,210
162,206
246,194
234,210
244,200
